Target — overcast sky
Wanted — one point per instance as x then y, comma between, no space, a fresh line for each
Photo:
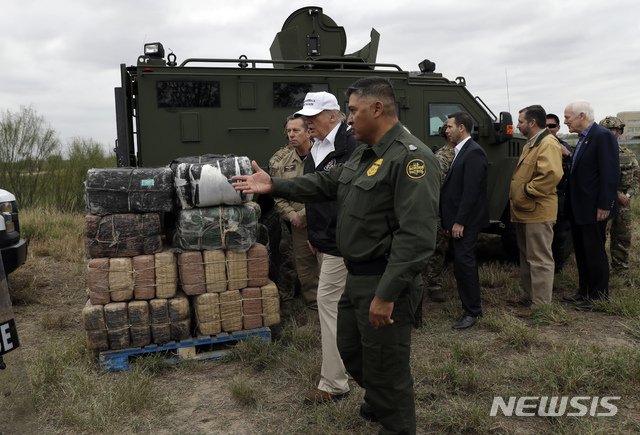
63,57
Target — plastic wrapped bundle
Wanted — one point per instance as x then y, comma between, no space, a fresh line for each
117,321
209,184
139,319
95,327
270,304
224,227
191,272
251,308
257,265
215,270
231,310
98,281
236,270
123,235
179,317
166,274
125,190
159,315
207,308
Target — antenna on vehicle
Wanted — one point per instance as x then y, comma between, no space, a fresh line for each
506,78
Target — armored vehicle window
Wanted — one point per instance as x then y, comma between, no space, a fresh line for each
291,95
188,94
439,113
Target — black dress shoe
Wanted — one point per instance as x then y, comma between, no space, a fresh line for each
587,305
367,413
465,322
575,298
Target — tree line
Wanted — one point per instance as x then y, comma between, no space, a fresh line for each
34,167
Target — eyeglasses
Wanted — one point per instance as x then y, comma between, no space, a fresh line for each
552,125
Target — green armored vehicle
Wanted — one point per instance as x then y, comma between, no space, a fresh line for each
168,108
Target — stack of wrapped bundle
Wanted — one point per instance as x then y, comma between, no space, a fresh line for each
117,321
192,275
179,317
206,184
95,327
215,268
222,227
98,281
144,277
124,190
251,308
207,311
270,304
231,310
139,319
159,316
123,235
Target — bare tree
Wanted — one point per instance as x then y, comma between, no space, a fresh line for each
26,142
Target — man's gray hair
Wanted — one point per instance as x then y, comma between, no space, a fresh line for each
583,107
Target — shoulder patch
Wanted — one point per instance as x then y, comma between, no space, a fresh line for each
416,168
374,168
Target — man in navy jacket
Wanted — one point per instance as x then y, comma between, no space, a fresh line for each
592,199
464,211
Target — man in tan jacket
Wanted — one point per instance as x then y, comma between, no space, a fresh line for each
534,207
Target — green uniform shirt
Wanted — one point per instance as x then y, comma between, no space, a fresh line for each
388,198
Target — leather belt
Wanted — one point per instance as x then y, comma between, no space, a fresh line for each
376,266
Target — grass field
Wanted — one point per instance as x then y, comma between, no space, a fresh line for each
53,385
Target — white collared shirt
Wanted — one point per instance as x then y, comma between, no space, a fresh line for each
458,148
321,148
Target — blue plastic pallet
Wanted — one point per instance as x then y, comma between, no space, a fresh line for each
193,349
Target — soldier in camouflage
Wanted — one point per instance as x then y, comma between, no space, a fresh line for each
620,228
286,280
432,274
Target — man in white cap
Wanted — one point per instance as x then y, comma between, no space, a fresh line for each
334,144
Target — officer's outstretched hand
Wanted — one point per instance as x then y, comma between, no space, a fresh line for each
380,312
260,182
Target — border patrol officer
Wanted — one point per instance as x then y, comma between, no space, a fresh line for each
388,197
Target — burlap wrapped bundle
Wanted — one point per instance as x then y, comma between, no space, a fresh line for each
98,281
231,310
117,321
180,317
270,304
139,319
251,308
121,279
207,307
95,327
215,269
236,270
144,277
123,235
191,272
166,275
257,265
159,315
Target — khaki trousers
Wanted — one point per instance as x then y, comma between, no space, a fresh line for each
536,261
333,276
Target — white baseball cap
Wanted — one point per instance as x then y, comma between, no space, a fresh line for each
316,102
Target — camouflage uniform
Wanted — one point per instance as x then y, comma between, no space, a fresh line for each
287,272
432,274
620,227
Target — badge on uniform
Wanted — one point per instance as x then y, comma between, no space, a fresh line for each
415,168
329,165
374,168
290,168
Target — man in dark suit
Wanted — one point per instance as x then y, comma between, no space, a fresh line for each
592,199
464,211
